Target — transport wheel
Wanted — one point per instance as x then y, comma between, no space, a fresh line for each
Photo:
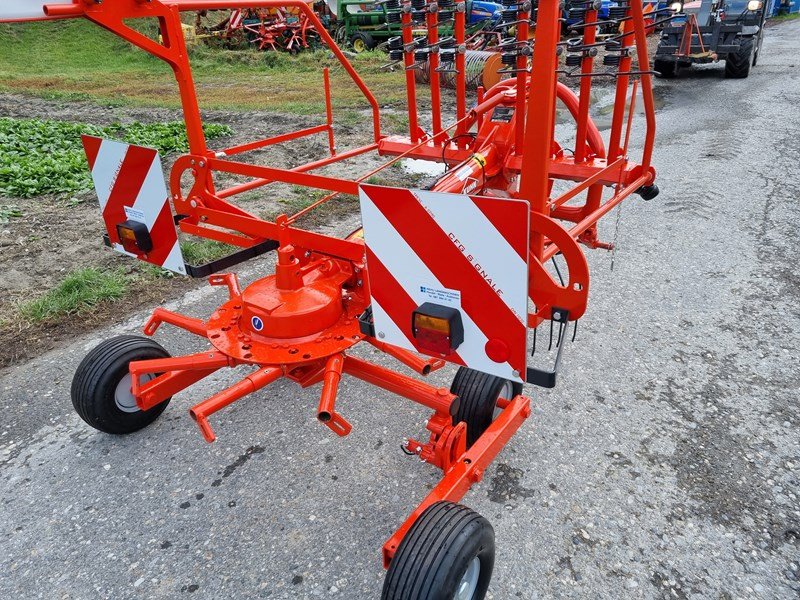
101,388
448,554
737,65
362,42
667,68
478,394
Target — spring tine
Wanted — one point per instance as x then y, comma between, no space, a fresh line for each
558,271
533,350
575,330
550,345
560,337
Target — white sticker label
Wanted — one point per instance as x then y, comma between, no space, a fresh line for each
439,295
464,172
134,215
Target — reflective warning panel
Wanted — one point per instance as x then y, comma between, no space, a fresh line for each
448,275
134,201
25,10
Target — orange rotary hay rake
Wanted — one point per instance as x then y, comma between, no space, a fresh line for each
453,273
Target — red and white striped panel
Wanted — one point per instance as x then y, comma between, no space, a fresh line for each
25,10
236,19
130,185
467,252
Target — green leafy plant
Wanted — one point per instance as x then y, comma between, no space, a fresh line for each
46,157
8,212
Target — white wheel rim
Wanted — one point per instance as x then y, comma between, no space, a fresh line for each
123,396
469,581
507,392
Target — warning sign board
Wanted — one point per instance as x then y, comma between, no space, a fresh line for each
431,250
131,190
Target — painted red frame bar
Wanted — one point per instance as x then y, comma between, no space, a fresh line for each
469,469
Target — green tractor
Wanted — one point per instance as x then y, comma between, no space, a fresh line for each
364,25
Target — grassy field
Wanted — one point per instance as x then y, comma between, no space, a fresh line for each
78,60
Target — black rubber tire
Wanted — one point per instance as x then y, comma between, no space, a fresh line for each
737,65
478,394
96,380
435,553
667,68
367,39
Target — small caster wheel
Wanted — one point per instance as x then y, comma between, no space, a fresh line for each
101,387
648,192
478,394
448,554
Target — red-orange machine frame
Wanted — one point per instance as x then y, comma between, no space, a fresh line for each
321,279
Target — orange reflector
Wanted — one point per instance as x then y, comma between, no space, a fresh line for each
435,323
437,328
134,237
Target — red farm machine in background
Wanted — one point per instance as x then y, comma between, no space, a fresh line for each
454,273
262,29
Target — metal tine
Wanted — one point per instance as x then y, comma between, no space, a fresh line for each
558,271
550,345
575,330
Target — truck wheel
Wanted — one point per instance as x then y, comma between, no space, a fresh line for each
362,42
101,388
448,554
737,65
478,394
667,68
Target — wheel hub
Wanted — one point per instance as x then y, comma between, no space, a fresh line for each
469,582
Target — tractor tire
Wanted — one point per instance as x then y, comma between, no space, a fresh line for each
361,42
448,554
478,394
737,65
101,392
667,68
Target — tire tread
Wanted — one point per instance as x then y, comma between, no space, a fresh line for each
737,65
419,562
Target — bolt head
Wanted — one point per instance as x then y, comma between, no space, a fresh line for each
381,335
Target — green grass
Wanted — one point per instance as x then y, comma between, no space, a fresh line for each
46,157
78,291
199,252
76,60
785,17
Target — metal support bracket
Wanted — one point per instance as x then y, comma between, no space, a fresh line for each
542,377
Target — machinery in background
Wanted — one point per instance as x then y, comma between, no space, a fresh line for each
707,31
364,25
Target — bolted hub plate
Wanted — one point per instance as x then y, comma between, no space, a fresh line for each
225,332
271,326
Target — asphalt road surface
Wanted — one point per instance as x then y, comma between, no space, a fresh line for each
664,465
